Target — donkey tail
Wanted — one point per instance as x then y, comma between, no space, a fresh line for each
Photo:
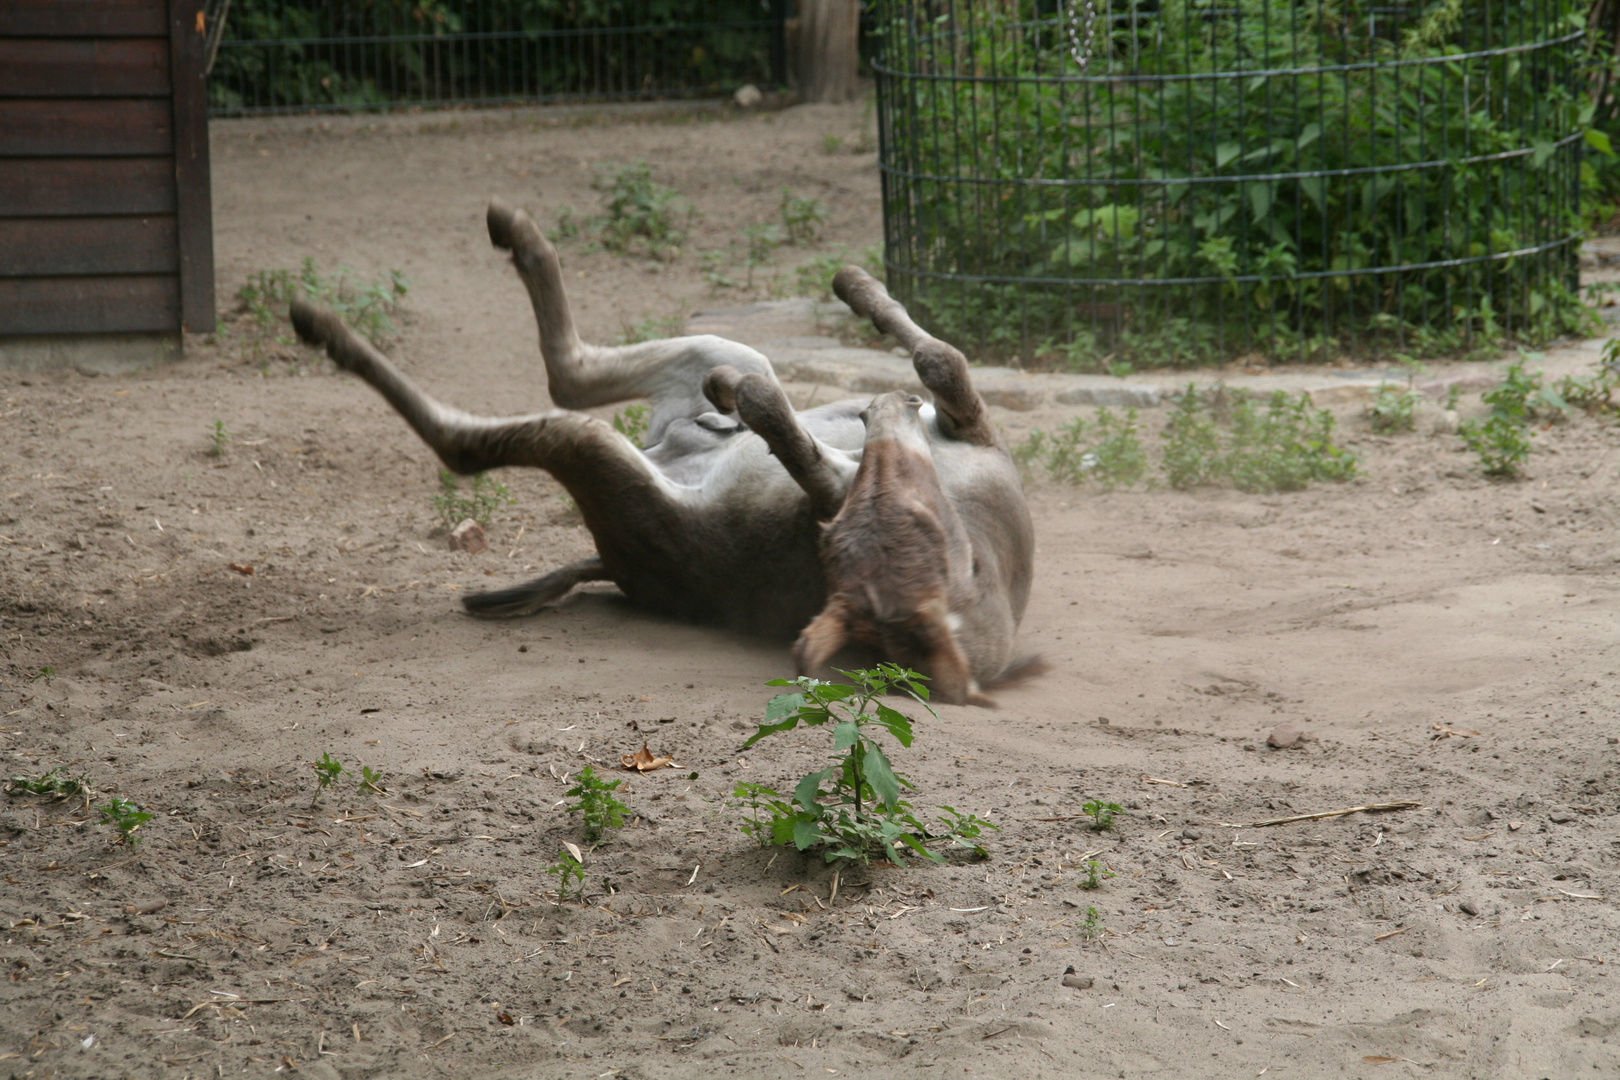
532,596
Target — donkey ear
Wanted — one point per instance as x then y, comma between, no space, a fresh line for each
951,680
824,636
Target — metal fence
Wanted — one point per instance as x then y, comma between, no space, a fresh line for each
279,56
1093,183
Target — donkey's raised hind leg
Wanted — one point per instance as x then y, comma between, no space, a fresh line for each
632,511
580,375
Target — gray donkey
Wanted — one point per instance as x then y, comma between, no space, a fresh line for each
888,522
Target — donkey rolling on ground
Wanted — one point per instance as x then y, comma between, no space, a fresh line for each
888,522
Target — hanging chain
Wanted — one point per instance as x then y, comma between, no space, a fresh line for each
1081,51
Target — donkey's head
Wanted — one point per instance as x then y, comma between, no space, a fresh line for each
898,560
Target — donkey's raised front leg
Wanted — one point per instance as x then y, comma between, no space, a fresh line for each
941,367
824,472
580,375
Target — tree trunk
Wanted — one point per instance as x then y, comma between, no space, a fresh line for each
827,48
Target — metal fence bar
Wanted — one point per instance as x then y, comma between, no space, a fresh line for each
311,56
1279,178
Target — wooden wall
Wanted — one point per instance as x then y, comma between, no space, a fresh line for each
105,217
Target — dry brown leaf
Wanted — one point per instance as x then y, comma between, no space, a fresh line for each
1378,1059
245,569
644,761
574,851
505,1018
1442,731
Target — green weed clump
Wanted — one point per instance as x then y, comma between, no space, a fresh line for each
126,817
852,809
652,329
56,784
485,496
803,218
1502,440
596,805
218,439
641,216
365,306
1108,450
569,870
631,422
1393,409
1102,814
1225,436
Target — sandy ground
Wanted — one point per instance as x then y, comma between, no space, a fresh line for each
264,927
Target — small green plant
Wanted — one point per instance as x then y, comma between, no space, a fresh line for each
1192,443
813,278
57,784
567,227
1222,435
631,422
1503,444
712,265
651,330
851,810
758,242
126,817
1092,929
371,780
1284,447
762,807
1453,396
1102,814
47,673
480,503
1591,393
1393,409
366,307
1096,874
327,770
1108,450
569,870
802,217
596,805
831,144
1501,441
218,439
642,215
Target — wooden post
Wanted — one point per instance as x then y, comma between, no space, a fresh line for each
828,49
188,51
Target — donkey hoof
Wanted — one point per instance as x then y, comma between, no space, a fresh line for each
501,218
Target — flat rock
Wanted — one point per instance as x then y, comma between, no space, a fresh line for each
1286,737
1079,982
1111,394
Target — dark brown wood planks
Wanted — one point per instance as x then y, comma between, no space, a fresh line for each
105,208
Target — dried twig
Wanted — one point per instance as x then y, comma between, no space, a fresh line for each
1403,805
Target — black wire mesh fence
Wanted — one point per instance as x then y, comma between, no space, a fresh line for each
302,55
1190,181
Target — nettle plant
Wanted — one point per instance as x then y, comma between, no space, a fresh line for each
852,809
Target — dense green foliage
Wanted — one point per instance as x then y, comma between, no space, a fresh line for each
1262,157
280,54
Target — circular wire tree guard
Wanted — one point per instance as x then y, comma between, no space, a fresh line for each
1215,178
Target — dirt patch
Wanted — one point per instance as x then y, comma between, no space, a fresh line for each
215,624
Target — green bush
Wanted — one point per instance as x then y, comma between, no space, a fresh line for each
399,51
1220,435
1265,194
